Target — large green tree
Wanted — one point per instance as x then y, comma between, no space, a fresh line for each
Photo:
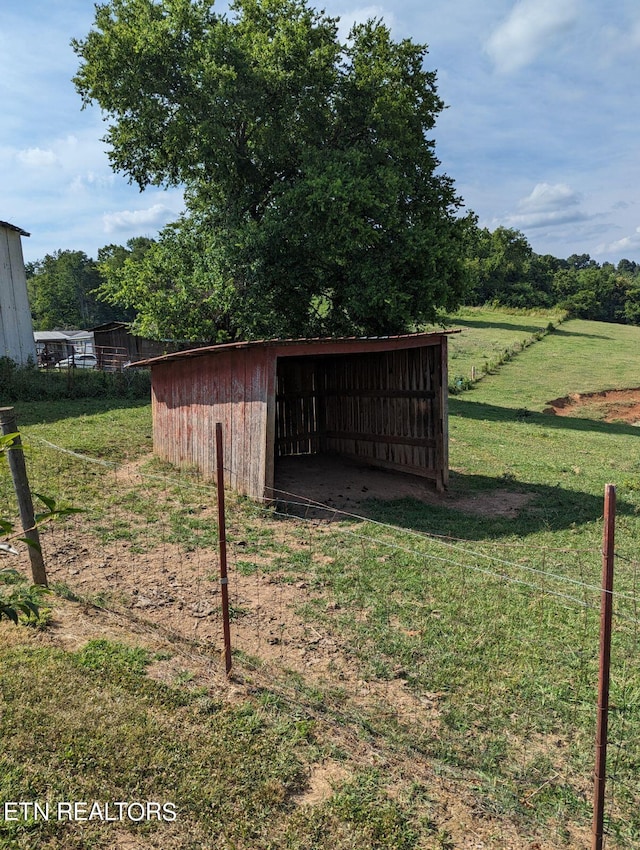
315,201
503,269
62,292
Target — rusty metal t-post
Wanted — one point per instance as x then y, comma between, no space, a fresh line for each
606,612
222,543
15,457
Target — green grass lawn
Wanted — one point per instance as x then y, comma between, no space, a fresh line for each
113,429
495,623
499,434
578,356
487,337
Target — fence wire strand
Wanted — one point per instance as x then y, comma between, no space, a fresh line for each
348,614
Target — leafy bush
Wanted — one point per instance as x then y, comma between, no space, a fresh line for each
27,383
23,601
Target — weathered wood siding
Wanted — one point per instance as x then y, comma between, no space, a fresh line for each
234,387
16,329
382,401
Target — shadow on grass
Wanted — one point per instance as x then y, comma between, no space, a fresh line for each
493,413
506,326
45,412
563,332
478,508
475,507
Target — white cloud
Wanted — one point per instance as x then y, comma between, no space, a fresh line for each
548,205
531,27
90,181
361,15
548,197
627,243
154,217
36,158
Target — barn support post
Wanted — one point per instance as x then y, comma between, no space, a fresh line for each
222,544
442,454
606,611
15,456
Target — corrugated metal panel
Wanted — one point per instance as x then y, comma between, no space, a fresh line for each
309,347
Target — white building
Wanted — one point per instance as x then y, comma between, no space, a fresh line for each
16,329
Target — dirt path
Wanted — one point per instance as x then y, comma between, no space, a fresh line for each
606,405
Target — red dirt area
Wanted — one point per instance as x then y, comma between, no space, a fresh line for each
606,405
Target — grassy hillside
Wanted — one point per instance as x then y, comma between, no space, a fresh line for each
489,336
499,434
577,357
422,678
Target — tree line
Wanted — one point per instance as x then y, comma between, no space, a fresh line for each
69,290
315,202
65,288
504,270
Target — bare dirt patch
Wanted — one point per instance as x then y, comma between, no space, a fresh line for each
304,482
168,600
606,405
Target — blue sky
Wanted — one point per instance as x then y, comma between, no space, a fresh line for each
541,133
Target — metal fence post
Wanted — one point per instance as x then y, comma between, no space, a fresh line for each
222,543
606,611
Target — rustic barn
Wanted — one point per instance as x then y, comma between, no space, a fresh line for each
16,329
381,401
115,345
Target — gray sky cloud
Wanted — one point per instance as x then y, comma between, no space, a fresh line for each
540,134
531,27
546,206
546,198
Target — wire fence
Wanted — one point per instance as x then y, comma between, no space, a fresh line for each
478,657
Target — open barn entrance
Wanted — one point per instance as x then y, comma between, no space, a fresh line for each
380,409
377,401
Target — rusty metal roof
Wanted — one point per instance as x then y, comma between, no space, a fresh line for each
19,230
306,345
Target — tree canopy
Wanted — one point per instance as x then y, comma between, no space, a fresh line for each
62,292
315,203
504,270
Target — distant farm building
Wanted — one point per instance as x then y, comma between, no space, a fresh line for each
53,346
381,401
16,329
115,345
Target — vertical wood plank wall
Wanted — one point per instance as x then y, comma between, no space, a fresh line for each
385,408
189,396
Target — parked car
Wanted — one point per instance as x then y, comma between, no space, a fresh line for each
79,361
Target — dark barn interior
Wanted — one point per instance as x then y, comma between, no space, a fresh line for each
382,408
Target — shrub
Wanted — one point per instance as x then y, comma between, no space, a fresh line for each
21,602
27,383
